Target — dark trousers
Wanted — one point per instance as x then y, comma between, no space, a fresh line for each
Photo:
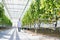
19,29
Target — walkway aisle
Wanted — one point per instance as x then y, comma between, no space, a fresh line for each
13,34
28,36
5,35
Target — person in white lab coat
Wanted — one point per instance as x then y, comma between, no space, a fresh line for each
19,26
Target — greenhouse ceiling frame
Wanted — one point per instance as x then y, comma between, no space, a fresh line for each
15,8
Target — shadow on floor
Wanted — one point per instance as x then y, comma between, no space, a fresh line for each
12,36
4,33
17,36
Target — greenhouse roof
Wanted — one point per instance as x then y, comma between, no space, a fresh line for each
16,8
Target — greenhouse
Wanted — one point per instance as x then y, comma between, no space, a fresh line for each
29,19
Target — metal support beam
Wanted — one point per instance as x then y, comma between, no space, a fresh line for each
5,7
8,9
15,10
24,9
14,4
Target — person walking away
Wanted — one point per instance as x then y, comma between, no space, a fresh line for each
19,25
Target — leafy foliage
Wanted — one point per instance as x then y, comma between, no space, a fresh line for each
42,11
3,19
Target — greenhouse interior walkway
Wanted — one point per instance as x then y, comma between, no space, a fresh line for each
13,34
13,11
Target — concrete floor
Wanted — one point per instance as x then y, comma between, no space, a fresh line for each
13,34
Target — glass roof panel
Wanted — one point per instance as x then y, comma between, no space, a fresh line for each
15,7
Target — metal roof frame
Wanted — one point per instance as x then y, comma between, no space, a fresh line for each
8,9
